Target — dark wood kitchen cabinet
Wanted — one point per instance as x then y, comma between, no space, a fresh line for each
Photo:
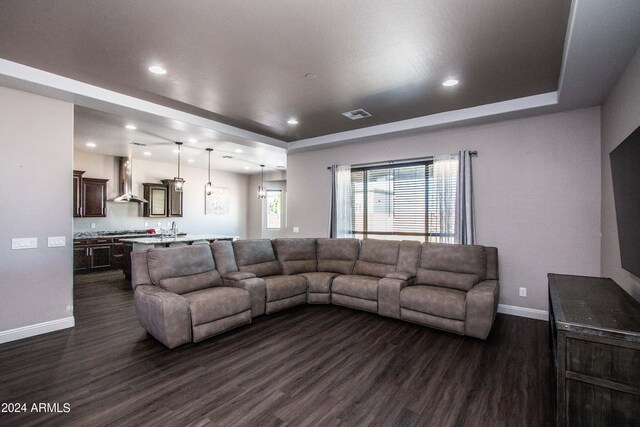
96,254
174,200
100,256
81,260
77,193
595,351
89,196
94,197
117,255
156,195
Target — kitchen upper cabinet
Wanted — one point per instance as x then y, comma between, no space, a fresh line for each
174,201
77,193
94,197
163,199
156,195
89,196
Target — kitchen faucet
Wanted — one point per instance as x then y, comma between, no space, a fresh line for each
174,229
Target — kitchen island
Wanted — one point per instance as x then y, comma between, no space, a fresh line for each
137,244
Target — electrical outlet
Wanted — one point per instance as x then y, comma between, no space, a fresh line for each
25,243
159,224
523,292
57,241
168,223
296,230
146,223
93,225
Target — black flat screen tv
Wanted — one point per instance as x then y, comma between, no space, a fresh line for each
625,171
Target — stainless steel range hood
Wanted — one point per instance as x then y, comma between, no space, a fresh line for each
126,183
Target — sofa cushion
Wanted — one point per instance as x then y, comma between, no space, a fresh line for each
377,257
224,256
208,305
434,300
193,282
319,282
337,255
183,269
296,255
281,287
452,266
257,257
364,287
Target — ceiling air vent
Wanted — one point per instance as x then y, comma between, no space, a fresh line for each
357,114
139,144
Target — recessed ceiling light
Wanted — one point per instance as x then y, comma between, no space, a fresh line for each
237,150
193,140
247,167
147,153
227,157
91,144
191,160
176,151
131,127
292,121
156,69
450,82
310,76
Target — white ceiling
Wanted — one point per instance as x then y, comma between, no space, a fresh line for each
111,137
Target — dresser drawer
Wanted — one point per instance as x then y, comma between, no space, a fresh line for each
599,360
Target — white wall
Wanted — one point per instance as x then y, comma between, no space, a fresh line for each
255,207
537,192
127,216
620,117
36,134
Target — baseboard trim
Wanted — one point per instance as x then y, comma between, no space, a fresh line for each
37,329
531,313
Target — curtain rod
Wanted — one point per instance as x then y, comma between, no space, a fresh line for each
392,162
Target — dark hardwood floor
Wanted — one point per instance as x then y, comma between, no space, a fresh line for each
312,365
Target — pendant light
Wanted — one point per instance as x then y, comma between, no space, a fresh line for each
178,182
208,188
262,192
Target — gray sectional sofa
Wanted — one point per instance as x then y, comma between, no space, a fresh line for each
191,293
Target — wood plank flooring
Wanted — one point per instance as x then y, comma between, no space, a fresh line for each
308,366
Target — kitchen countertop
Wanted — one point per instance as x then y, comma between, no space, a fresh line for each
113,233
164,239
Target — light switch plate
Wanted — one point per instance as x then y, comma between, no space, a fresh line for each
24,243
56,241
93,225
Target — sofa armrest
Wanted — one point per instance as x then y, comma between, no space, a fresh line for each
238,275
389,295
257,289
482,305
400,275
163,314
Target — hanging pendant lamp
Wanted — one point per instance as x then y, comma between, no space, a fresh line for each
208,188
178,182
262,192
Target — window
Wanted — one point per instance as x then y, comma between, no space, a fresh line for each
274,209
409,201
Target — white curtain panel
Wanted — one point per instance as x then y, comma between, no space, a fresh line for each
442,195
465,232
341,201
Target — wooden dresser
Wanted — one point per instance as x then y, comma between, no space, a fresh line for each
595,350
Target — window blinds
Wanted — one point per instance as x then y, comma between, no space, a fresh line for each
402,202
